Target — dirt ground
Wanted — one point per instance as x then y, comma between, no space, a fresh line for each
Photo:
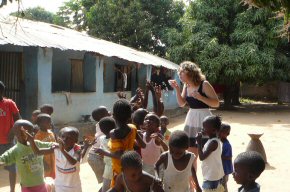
272,120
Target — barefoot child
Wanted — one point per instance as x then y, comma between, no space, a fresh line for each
29,165
96,161
210,155
248,166
178,164
132,178
226,153
164,122
44,134
107,124
154,143
67,158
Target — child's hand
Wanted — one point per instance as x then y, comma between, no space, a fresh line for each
149,86
121,95
29,136
158,92
98,150
156,137
60,144
199,137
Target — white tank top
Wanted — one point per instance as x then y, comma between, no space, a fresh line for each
150,154
67,176
175,180
212,167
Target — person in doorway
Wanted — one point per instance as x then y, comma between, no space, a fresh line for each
9,113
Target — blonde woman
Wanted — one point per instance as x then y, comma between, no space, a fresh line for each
199,95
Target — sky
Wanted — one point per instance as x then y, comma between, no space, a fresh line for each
49,5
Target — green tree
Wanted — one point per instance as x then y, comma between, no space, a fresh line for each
139,24
231,43
36,14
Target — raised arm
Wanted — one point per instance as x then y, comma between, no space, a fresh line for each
179,95
139,140
159,141
211,147
70,159
35,149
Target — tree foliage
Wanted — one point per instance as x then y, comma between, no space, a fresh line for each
36,14
139,24
230,42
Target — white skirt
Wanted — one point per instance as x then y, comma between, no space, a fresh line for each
194,119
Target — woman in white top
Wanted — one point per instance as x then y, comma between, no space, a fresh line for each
178,164
210,155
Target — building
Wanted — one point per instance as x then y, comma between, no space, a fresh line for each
44,63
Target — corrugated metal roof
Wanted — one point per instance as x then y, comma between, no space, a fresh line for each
31,33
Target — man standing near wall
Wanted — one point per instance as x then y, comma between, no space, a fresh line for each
8,114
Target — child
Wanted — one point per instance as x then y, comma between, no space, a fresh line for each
124,136
178,164
67,158
210,155
29,165
164,121
248,166
34,115
96,161
44,134
132,178
138,118
48,109
106,125
153,141
226,153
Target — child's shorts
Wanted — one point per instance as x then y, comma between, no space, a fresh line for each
3,149
212,186
39,188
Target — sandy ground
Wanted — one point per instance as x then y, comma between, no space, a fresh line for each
273,121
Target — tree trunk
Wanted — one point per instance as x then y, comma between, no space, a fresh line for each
231,95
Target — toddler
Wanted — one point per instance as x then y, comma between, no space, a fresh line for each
226,153
248,166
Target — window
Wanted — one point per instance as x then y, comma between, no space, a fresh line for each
77,75
73,71
122,78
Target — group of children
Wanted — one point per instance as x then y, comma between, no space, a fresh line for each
132,151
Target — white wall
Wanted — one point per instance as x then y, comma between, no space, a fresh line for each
81,103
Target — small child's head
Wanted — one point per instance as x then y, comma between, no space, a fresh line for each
19,127
70,136
139,116
46,108
34,115
164,121
224,131
43,121
151,123
178,144
131,163
2,89
106,125
122,111
248,166
100,112
211,125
